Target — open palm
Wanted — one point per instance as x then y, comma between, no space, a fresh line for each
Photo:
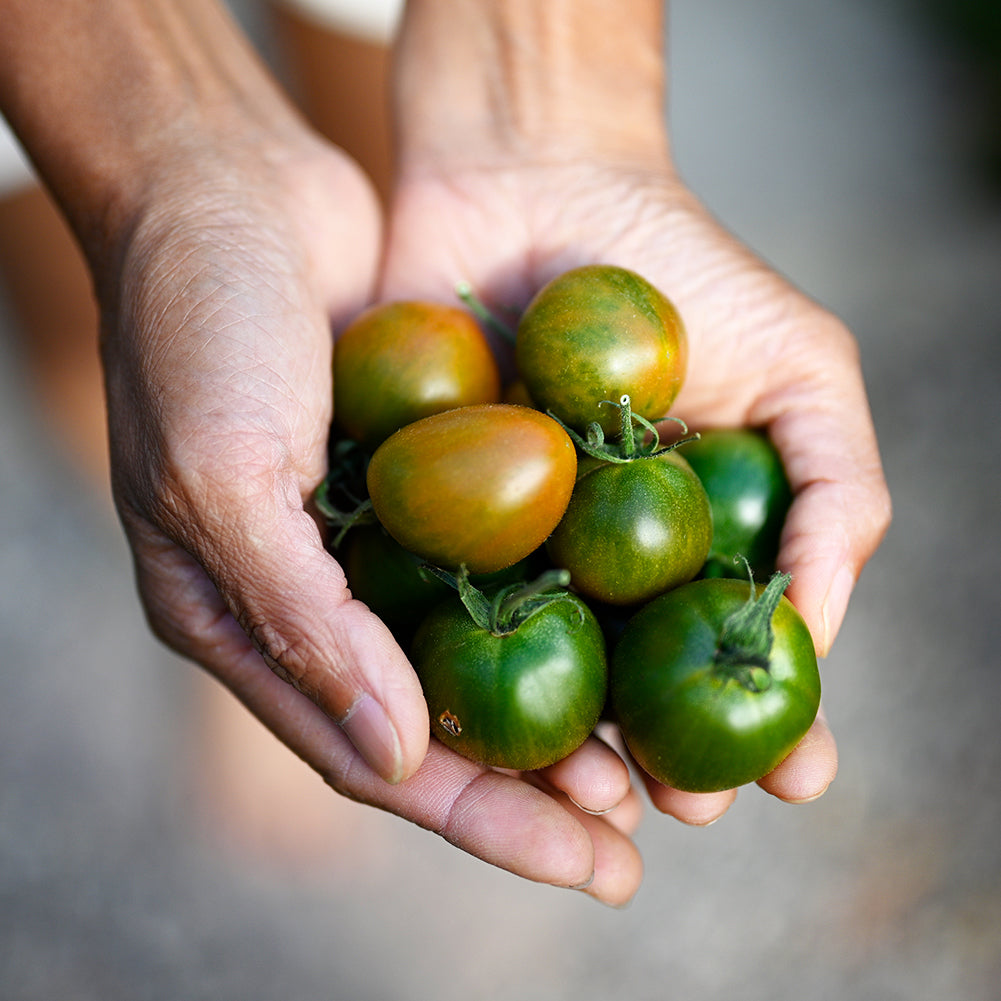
761,354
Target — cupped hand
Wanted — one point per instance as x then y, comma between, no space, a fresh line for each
218,314
762,354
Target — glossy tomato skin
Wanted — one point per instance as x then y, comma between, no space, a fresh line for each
633,530
481,486
595,333
750,497
525,700
400,361
689,724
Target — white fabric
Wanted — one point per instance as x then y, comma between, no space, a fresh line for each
375,20
15,170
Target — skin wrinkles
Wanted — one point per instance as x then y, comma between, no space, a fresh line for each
202,150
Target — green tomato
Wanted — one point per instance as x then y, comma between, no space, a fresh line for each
595,333
523,699
712,690
750,497
633,530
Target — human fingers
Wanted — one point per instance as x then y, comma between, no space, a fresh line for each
594,777
695,809
492,815
618,865
626,816
821,423
497,817
289,599
217,351
811,767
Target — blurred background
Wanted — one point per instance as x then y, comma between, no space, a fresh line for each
856,146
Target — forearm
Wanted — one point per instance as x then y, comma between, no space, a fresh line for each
103,93
482,80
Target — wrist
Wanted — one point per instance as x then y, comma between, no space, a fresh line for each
488,81
108,101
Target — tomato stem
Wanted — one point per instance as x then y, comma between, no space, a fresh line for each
489,319
627,433
745,642
511,605
627,448
342,498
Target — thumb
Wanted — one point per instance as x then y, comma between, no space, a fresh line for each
841,509
274,577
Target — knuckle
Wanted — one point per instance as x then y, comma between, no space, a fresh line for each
881,510
286,657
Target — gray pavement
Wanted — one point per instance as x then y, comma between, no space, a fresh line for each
833,138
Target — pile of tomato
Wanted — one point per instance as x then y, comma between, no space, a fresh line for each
561,549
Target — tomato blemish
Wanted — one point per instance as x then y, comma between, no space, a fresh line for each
450,722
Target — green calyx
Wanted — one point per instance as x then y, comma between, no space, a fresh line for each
638,438
502,613
488,319
342,497
745,642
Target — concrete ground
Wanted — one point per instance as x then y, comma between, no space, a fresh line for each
836,139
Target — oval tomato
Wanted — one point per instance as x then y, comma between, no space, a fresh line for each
400,361
523,700
750,497
595,333
633,530
481,486
706,701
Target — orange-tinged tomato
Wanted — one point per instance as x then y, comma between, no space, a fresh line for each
400,361
481,486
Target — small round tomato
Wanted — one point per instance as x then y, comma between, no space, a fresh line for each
400,361
523,699
595,333
711,687
633,529
481,486
750,497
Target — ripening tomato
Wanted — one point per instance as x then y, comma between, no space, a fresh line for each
400,361
633,530
481,486
595,333
750,497
713,684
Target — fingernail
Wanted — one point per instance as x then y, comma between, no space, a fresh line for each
589,812
807,799
373,734
706,823
836,604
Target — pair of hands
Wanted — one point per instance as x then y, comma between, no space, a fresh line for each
217,318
